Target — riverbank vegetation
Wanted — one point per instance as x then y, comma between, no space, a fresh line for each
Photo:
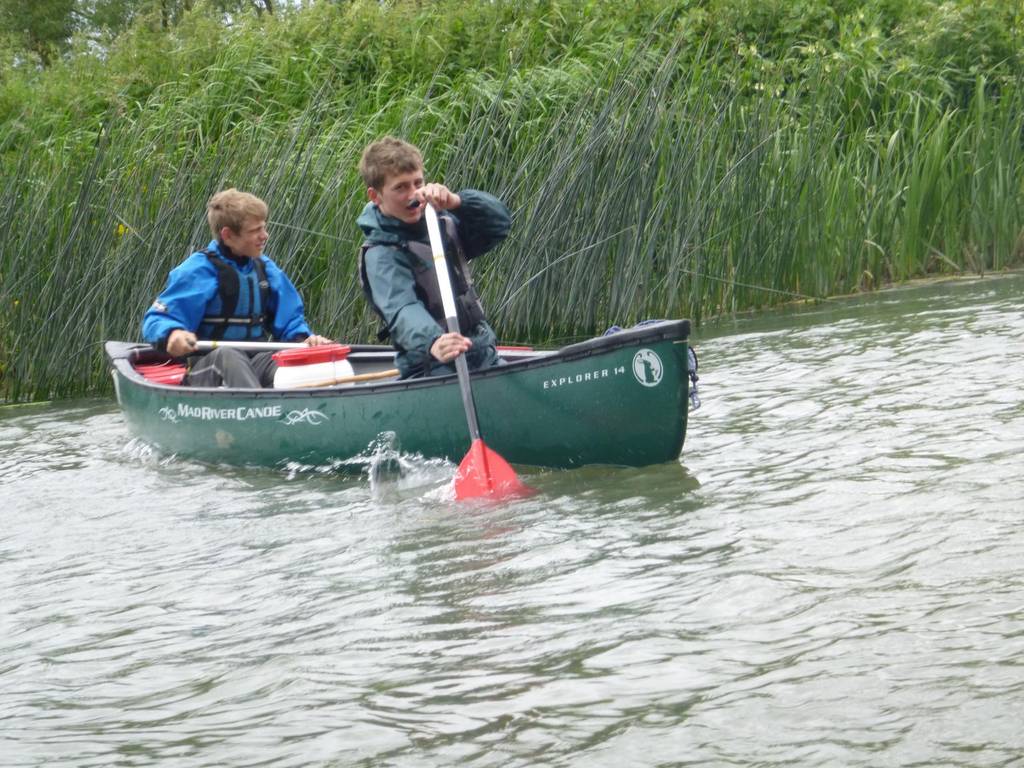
663,158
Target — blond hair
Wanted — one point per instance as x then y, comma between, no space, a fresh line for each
231,208
387,157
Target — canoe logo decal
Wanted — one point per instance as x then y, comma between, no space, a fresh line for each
647,367
208,413
306,415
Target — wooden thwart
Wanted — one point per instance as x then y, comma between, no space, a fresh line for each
349,379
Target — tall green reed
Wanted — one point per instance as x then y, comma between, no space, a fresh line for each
645,182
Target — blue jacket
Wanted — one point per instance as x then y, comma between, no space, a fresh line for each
483,222
193,286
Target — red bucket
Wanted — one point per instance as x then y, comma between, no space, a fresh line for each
320,366
322,353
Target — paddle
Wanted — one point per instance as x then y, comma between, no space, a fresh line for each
483,472
250,346
267,346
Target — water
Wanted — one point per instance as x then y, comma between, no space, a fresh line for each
830,576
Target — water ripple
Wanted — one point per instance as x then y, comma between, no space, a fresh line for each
829,577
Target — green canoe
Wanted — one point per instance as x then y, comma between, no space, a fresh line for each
619,399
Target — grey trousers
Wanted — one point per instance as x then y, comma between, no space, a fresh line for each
232,368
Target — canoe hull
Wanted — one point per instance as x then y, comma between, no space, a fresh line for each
612,400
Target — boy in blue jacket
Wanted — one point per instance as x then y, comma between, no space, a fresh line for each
231,291
396,263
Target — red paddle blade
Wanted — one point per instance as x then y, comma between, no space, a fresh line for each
484,473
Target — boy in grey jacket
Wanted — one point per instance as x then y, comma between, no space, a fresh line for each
396,264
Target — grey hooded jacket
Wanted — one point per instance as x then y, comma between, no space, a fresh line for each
482,222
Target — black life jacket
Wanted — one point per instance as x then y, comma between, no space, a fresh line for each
469,310
240,310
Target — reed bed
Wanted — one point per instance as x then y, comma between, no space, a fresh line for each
647,180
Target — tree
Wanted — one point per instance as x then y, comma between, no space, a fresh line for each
171,11
43,27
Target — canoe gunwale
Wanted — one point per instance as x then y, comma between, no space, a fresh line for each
124,355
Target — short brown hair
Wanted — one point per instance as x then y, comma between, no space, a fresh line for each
388,157
231,208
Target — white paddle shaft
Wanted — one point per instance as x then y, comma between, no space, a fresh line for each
440,265
249,346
